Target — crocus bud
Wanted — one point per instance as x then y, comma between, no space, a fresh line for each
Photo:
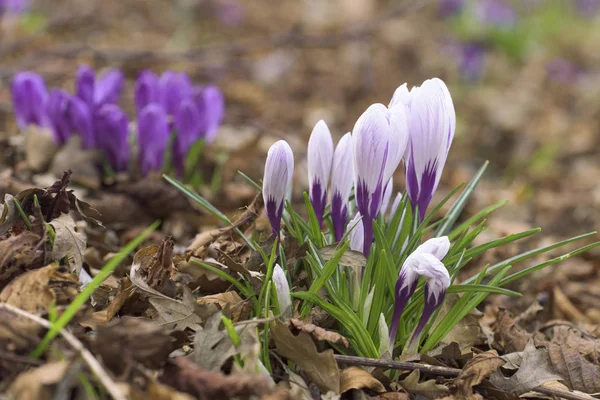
387,196
283,291
211,105
146,90
29,97
108,88
81,121
188,124
85,80
432,123
112,135
342,179
424,261
357,235
279,169
153,137
174,87
379,139
395,205
320,159
57,109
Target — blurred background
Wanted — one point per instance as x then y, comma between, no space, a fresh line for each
524,76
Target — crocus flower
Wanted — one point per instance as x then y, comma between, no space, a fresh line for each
432,123
283,291
277,180
424,261
146,90
96,92
112,135
357,235
13,7
387,196
499,13
85,80
211,105
57,109
153,137
188,123
379,139
342,178
174,88
320,159
29,97
81,121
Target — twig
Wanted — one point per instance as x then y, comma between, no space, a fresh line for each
89,359
371,362
563,394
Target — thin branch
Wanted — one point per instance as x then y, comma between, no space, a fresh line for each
402,365
563,394
89,359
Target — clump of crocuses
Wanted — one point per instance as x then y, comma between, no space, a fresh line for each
417,127
167,105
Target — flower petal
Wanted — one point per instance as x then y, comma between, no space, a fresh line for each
320,160
279,169
153,137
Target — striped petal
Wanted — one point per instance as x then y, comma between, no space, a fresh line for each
320,160
342,179
277,180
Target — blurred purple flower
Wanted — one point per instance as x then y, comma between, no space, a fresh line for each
147,90
450,7
189,125
211,105
57,109
342,179
153,137
277,182
174,88
499,13
471,60
29,96
13,7
112,130
562,70
587,8
319,160
81,121
96,92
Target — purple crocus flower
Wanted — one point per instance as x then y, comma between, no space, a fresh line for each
387,196
153,137
283,291
96,92
499,13
424,261
471,60
188,123
320,159
379,139
57,109
342,179
81,121
147,90
277,182
29,95
211,105
432,122
85,80
174,88
112,135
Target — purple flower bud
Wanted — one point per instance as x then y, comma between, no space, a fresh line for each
424,261
320,159
81,121
357,235
153,137
146,90
211,104
283,291
57,109
387,196
188,123
112,135
174,87
395,205
85,80
380,136
277,180
432,123
342,179
29,97
108,88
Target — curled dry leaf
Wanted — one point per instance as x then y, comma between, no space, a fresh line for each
476,370
578,372
175,314
35,290
319,333
8,215
230,303
321,368
69,241
185,376
357,378
429,389
212,346
36,384
513,337
156,264
534,371
18,254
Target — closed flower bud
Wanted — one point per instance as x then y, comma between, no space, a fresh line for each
112,135
211,105
174,87
108,88
342,179
81,121
146,90
320,159
283,292
387,196
153,137
188,125
57,110
29,97
357,234
85,80
277,180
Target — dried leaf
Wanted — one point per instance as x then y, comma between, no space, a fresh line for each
319,333
467,331
320,367
212,346
428,388
156,263
177,315
579,373
18,254
512,336
8,215
533,372
17,333
35,290
35,384
352,259
476,369
232,305
358,378
69,241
